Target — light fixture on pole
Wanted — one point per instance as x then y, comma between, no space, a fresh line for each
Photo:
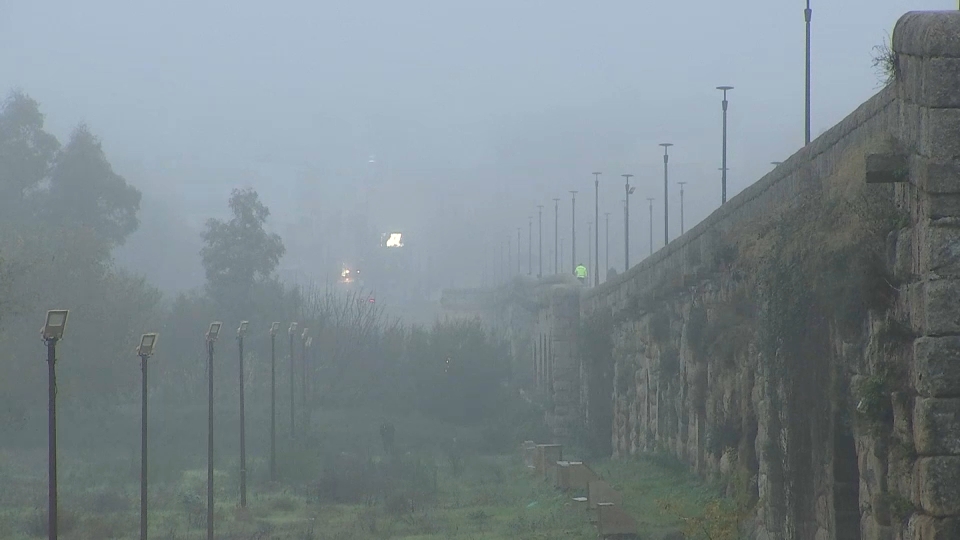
573,227
650,200
274,328
148,343
606,246
293,431
596,231
556,235
529,245
540,240
723,181
807,16
243,432
51,333
589,252
304,336
776,163
666,194
212,334
626,221
682,230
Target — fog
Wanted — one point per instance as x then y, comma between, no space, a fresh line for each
473,112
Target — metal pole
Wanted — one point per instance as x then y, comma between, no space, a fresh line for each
518,251
52,438
807,16
606,246
682,230
650,200
556,235
626,223
273,407
589,251
243,434
666,206
293,431
573,228
529,245
723,196
303,381
561,251
143,447
509,253
596,231
209,440
540,239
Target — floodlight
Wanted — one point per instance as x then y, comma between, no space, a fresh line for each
632,189
55,324
243,328
309,342
293,328
148,342
213,331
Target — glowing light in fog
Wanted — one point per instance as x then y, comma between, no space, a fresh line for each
395,240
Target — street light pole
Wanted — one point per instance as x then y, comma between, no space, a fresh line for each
529,245
573,227
723,196
144,351
303,380
212,334
650,200
606,246
293,432
51,333
626,221
807,16
666,206
589,250
596,232
682,230
556,235
243,431
274,328
540,240
518,251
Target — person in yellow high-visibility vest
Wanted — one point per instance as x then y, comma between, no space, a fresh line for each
581,273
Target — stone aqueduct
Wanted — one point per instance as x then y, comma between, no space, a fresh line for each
830,397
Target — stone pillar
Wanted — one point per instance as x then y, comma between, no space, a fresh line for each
927,46
564,322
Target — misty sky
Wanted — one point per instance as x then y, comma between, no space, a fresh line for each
475,111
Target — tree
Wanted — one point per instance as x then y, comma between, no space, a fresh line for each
26,151
85,193
239,253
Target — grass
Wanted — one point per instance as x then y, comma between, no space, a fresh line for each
493,498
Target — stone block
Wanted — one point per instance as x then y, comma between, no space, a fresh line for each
940,250
923,527
928,34
940,205
887,168
614,521
936,370
575,475
941,298
936,425
902,416
940,133
599,491
940,88
939,482
547,457
937,177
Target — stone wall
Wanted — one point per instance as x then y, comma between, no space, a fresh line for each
802,344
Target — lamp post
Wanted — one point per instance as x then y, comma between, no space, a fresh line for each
518,251
556,235
807,16
596,231
509,253
303,378
666,206
52,332
212,334
682,230
589,251
650,200
274,328
606,246
723,195
529,245
626,221
291,331
573,227
540,240
147,344
243,432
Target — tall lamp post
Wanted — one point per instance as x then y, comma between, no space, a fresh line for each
212,334
650,200
626,221
589,251
304,336
147,344
52,332
529,245
518,251
291,332
573,228
807,16
666,194
274,328
606,246
723,181
540,240
596,231
243,432
556,235
682,230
